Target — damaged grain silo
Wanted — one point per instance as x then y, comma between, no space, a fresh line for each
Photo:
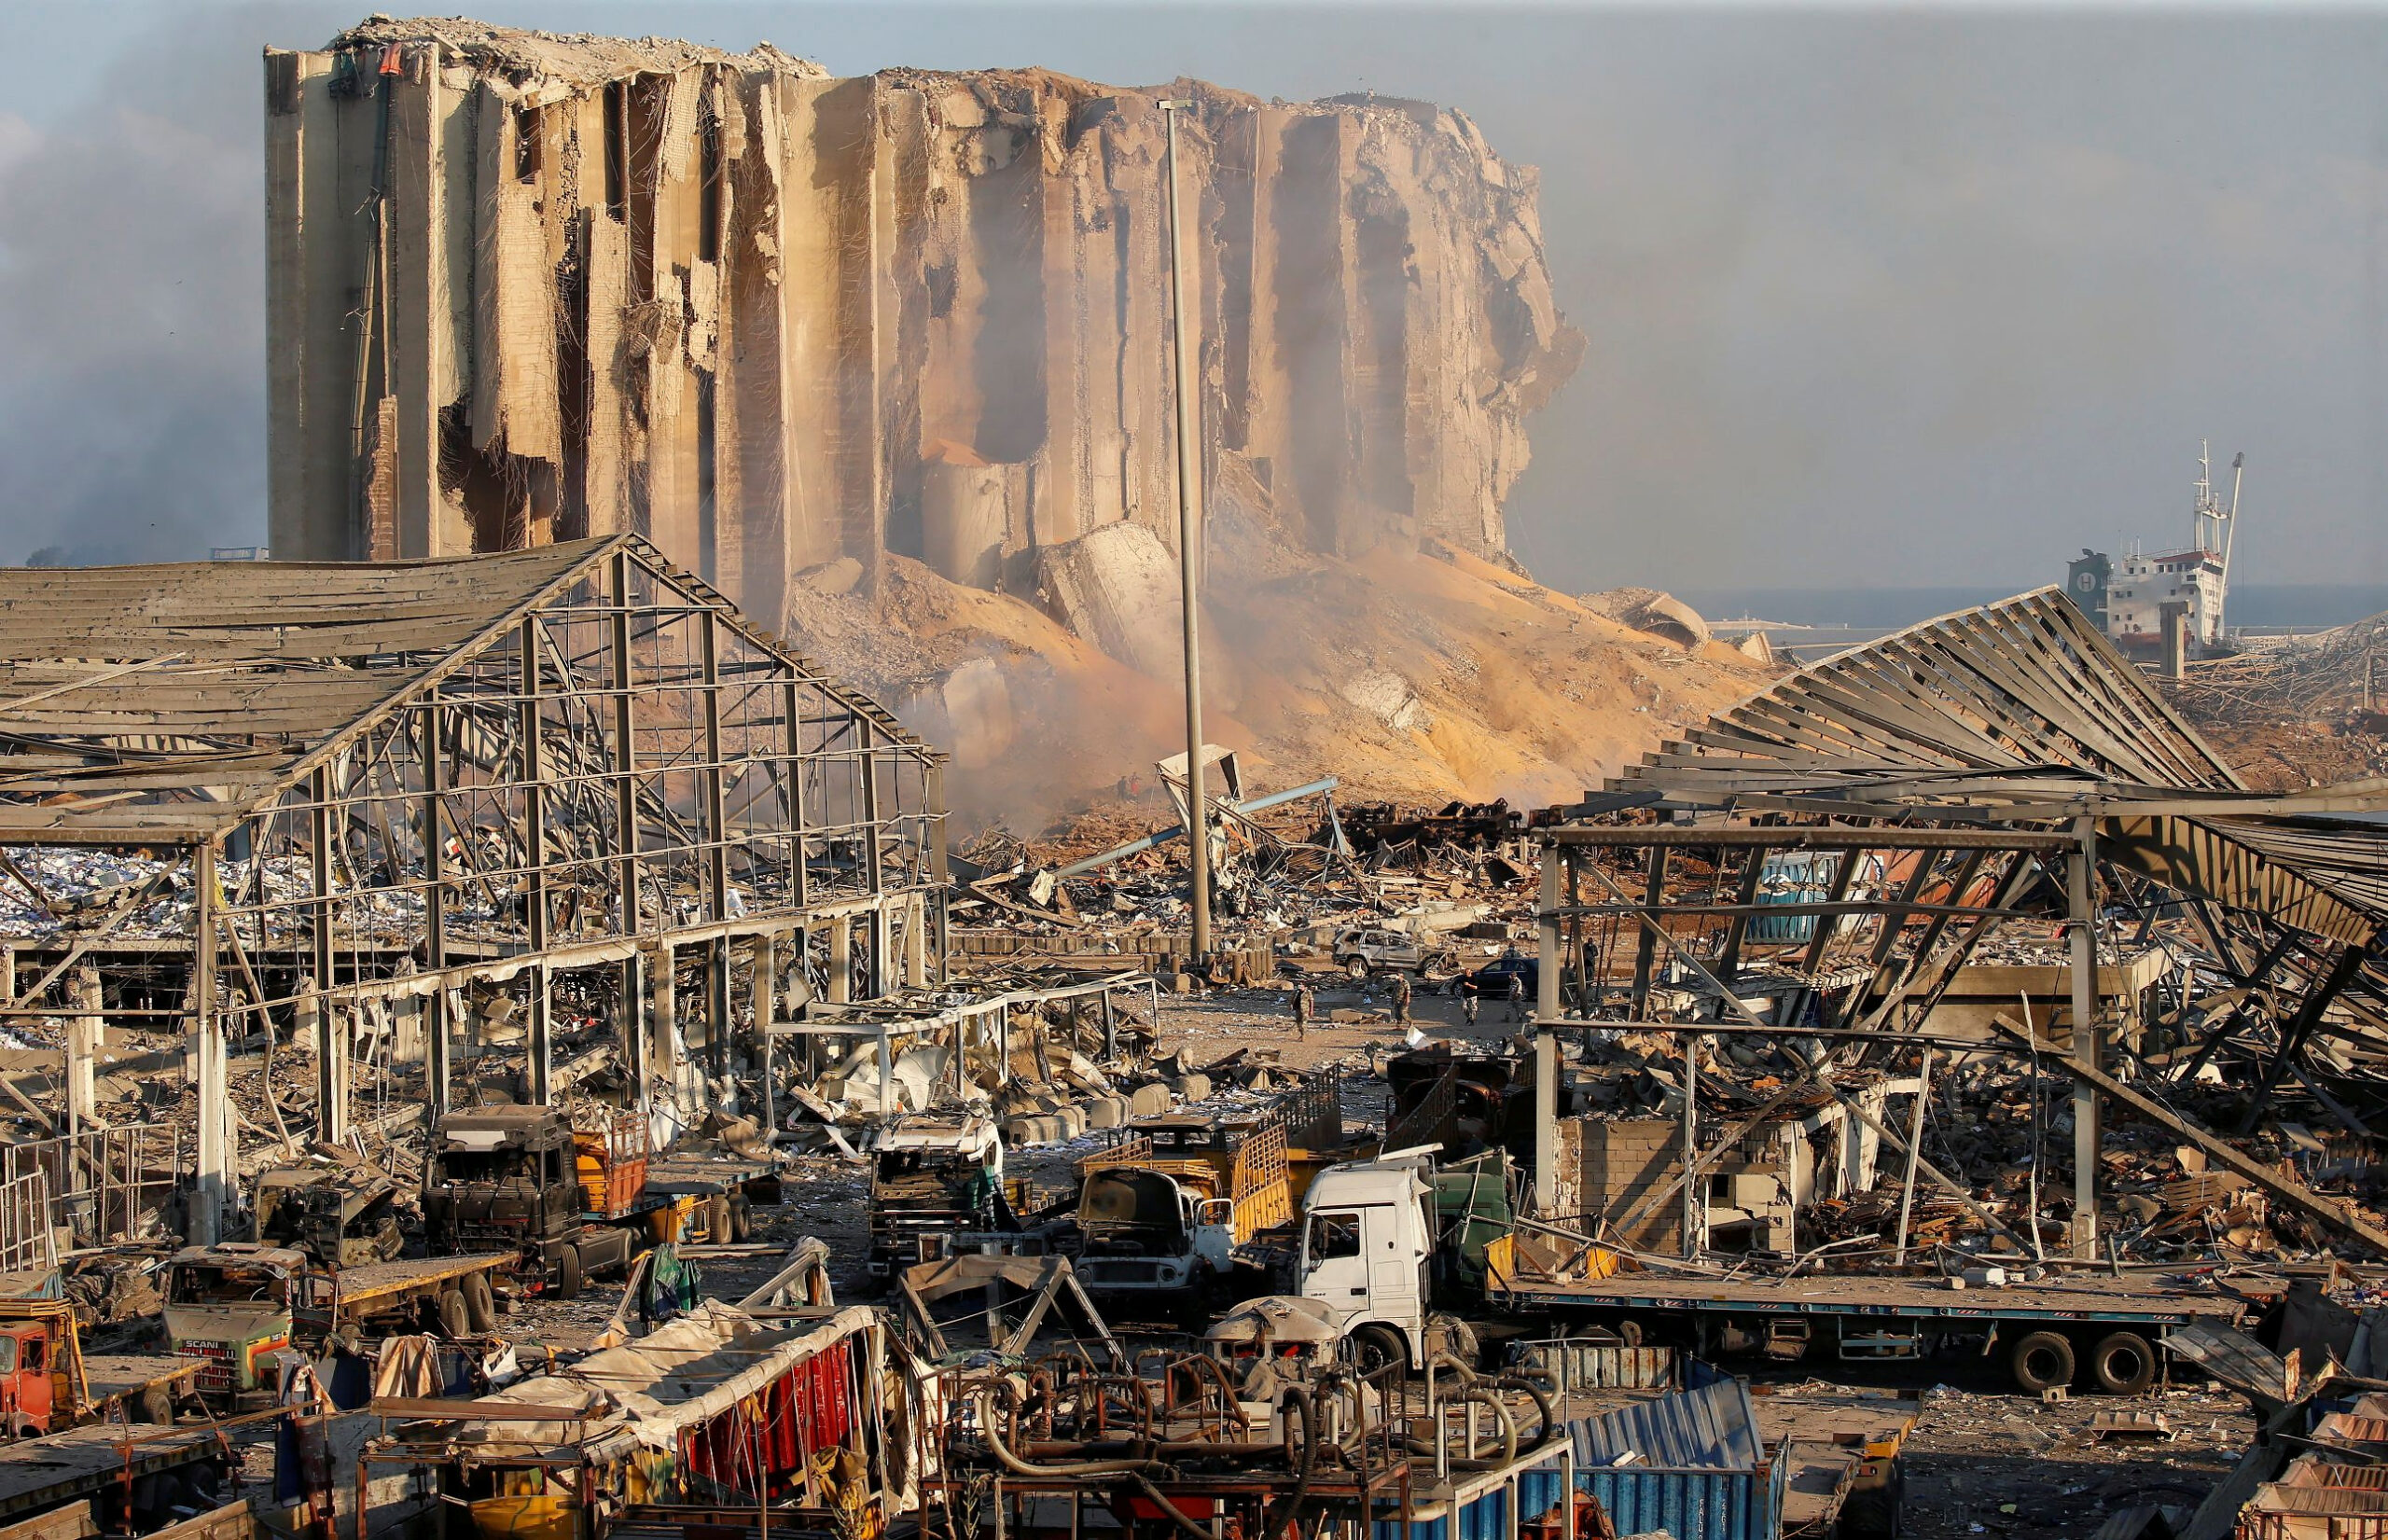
527,287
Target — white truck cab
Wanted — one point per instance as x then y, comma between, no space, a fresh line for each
1368,1241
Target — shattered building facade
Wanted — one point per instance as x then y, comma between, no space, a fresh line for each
526,287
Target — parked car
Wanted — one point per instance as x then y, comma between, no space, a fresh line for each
1492,981
1363,951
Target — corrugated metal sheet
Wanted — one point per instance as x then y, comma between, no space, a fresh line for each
1538,1491
1712,1428
1575,1364
2310,882
1699,1468
1488,1505
2234,1358
1687,1505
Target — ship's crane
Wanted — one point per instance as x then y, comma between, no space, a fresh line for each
2214,526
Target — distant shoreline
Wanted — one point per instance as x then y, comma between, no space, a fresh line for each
2251,603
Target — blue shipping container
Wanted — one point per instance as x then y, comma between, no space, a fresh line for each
1692,1464
1489,1504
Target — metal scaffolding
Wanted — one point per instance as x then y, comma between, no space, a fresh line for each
1840,845
422,798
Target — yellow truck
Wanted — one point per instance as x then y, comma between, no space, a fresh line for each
1163,1210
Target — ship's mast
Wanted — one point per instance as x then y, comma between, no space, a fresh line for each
2203,507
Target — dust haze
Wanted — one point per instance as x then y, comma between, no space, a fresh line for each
1873,298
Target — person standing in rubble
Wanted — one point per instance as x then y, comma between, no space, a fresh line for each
1401,999
1516,997
1304,1003
1471,1006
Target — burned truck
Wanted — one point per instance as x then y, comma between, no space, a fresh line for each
934,1177
1163,1212
233,1306
570,1201
340,1217
508,1179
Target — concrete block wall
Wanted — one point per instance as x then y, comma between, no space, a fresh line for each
1625,1162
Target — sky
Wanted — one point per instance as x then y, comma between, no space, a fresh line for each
1876,297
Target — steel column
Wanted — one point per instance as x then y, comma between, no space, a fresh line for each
634,1046
716,851
540,1045
2082,916
212,1187
434,942
331,1024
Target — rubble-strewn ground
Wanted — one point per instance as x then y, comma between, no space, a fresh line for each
1985,1460
1413,677
2293,755
2295,711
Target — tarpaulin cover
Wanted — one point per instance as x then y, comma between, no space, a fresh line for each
679,1377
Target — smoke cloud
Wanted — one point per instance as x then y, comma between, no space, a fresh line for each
1873,298
132,304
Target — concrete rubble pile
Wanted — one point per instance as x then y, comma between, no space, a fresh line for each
2296,711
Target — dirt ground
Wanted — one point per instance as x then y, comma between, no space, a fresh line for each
1986,1461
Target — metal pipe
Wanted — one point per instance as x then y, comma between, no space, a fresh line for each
1177,831
1188,552
1297,1395
984,1398
1541,1399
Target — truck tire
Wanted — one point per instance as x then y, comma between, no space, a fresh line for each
2041,1361
568,1273
454,1318
1375,1346
742,1217
717,1219
2123,1363
158,1405
1355,968
481,1305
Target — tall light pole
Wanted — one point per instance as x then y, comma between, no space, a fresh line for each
1189,496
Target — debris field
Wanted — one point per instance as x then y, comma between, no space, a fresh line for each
650,986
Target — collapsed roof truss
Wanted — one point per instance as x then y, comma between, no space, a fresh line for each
420,767
1851,835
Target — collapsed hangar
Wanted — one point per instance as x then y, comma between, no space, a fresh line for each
1833,855
409,807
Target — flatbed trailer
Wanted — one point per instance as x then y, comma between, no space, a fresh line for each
2107,1328
711,1196
141,1381
1846,1475
229,1306
375,1281
379,1289
104,1460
